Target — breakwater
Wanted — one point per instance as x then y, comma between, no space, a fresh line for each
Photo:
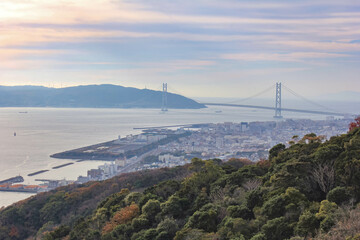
36,173
16,179
62,165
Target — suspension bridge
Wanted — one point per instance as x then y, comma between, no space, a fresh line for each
277,108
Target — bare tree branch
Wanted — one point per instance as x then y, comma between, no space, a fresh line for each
324,175
252,184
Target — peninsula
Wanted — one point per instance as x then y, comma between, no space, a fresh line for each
91,96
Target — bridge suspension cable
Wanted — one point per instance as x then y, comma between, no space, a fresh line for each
172,90
253,96
307,100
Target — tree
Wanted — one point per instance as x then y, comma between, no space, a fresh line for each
149,234
167,229
277,229
307,224
326,214
355,124
274,207
339,195
151,208
58,233
324,175
125,215
274,152
201,199
133,197
14,232
259,236
194,234
346,227
234,228
252,184
240,211
140,223
253,198
312,138
174,206
206,218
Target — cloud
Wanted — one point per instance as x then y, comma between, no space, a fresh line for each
182,40
6,54
22,22
24,59
100,11
320,46
24,36
281,57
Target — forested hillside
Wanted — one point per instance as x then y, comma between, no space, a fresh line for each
308,190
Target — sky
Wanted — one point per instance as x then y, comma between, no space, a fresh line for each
202,48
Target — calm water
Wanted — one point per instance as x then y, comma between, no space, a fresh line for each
44,131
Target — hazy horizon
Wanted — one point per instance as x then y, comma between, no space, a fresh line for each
345,96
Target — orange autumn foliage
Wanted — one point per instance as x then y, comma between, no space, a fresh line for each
355,124
14,232
263,163
123,216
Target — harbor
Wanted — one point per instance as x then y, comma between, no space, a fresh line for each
119,154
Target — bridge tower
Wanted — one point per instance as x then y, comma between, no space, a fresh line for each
278,101
164,98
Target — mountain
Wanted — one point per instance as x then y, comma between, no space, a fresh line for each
90,96
309,190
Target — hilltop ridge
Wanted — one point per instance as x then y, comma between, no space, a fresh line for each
90,96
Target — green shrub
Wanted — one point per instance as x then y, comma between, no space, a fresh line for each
339,195
277,229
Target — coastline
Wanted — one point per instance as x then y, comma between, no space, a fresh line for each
120,149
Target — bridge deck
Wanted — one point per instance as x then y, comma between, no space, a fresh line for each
282,109
194,125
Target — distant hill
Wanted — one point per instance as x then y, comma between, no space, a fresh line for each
90,96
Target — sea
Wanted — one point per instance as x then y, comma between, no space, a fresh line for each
41,132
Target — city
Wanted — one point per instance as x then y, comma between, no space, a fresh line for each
223,141
159,148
